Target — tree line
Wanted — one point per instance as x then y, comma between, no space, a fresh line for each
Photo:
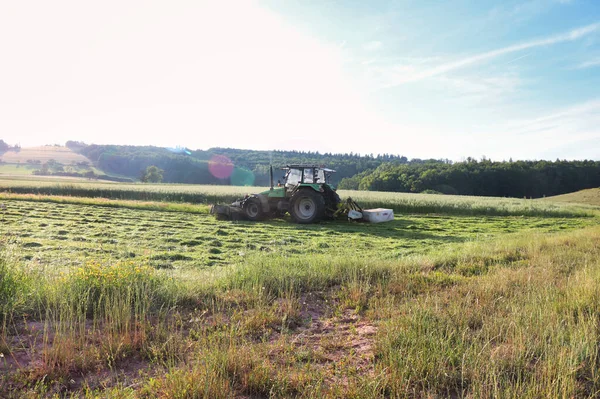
4,147
249,167
385,172
532,179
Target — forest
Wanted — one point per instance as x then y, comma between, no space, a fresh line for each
250,167
531,179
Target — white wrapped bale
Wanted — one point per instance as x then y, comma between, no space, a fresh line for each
378,215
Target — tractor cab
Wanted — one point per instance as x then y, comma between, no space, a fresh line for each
296,175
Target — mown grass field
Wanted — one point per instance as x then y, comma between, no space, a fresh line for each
458,297
182,239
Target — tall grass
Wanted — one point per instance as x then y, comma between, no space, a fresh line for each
517,317
14,284
95,317
465,205
126,191
517,332
514,318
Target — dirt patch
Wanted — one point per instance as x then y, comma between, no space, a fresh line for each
31,341
339,343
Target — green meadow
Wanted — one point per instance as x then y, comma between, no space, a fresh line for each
125,296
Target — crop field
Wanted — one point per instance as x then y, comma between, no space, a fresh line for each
590,196
207,194
18,169
458,297
44,153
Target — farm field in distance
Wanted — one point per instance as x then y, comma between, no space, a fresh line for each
590,196
43,154
112,290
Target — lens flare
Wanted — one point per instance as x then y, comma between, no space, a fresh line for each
242,177
220,166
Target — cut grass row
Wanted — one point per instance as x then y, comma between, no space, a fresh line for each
69,231
516,317
399,202
108,203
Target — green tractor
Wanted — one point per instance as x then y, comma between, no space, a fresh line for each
306,194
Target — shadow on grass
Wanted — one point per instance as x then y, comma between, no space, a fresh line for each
397,229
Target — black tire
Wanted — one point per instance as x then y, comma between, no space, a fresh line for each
332,200
335,200
307,206
332,206
253,209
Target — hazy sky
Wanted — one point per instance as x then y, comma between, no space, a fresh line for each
441,79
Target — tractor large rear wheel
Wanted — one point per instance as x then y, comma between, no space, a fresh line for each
307,206
332,203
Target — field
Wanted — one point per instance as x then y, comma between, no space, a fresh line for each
17,169
60,154
22,164
589,197
458,297
204,194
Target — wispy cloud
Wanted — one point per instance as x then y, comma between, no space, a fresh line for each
413,74
479,90
568,120
562,128
522,11
589,64
518,58
373,46
571,132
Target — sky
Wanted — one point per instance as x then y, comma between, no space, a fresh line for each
451,79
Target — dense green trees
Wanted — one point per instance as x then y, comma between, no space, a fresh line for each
383,172
485,178
250,167
4,146
152,174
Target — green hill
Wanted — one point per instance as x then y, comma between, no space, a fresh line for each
588,197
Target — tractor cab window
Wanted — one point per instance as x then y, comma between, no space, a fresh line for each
309,175
294,176
320,176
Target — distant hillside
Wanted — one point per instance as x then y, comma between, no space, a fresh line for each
43,154
248,167
588,197
50,160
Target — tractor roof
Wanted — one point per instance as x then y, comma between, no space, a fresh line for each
301,166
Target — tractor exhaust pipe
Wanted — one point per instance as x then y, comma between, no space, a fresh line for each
271,175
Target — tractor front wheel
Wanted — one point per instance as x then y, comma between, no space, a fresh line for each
307,206
253,209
